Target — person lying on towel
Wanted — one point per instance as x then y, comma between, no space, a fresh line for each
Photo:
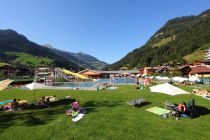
182,107
75,109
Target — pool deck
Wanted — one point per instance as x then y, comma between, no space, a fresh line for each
97,86
68,88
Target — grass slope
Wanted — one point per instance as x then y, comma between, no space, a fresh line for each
195,56
198,54
164,41
3,64
30,60
112,118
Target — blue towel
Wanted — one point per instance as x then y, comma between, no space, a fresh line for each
4,102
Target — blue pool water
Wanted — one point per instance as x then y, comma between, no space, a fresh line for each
91,84
118,81
76,84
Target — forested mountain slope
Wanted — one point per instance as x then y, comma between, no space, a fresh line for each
176,40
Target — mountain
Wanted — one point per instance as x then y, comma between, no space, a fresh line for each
18,50
176,42
81,59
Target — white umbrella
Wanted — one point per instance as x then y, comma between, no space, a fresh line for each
33,86
167,88
165,78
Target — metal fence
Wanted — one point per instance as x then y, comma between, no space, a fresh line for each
205,80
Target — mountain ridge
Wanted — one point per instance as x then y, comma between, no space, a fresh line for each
16,49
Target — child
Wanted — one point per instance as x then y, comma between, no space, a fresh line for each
75,105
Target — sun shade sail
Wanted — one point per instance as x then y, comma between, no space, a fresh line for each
167,89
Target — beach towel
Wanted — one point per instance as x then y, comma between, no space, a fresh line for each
23,101
4,102
79,117
158,110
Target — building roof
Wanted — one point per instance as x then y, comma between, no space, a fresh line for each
199,70
183,66
172,68
91,73
80,72
119,72
156,67
147,67
160,68
206,61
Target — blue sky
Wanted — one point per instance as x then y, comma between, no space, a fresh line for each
105,29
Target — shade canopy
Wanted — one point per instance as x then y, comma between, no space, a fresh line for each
33,86
4,84
179,79
74,74
194,79
167,88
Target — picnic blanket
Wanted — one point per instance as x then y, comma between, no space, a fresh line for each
158,110
79,117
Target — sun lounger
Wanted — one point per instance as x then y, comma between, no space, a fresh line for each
136,102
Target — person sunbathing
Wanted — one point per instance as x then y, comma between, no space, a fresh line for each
14,104
6,106
75,105
42,102
51,98
74,109
182,107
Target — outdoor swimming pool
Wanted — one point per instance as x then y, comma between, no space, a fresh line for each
100,81
118,81
76,84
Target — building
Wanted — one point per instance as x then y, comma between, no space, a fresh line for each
163,69
91,73
7,71
184,70
95,74
200,72
207,57
146,71
45,75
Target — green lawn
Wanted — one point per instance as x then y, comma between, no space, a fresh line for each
112,118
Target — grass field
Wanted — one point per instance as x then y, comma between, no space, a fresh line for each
112,119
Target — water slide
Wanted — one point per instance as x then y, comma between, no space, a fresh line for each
74,74
5,83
